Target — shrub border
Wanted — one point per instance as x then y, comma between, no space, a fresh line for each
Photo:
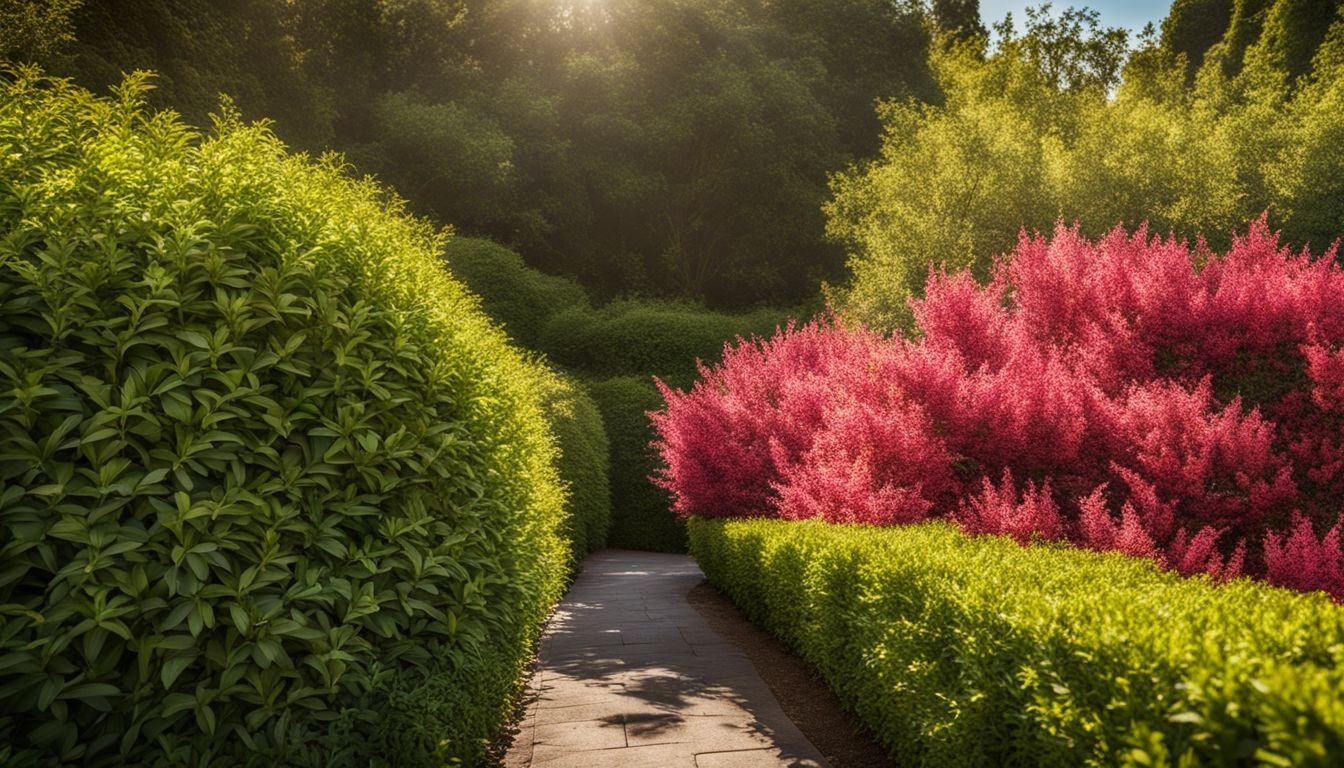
976,651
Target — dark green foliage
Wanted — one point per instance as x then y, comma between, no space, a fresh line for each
449,159
1193,26
1248,18
200,49
963,651
1283,34
32,30
640,511
960,19
633,341
630,340
677,148
1293,30
584,462
648,338
272,489
870,51
523,300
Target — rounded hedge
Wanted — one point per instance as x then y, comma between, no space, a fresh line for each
641,516
648,338
584,462
272,489
521,298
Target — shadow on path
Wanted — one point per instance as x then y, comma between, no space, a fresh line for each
630,674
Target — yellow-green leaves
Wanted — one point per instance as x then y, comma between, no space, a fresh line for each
1009,149
272,490
964,651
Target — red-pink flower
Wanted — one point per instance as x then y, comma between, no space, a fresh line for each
1132,394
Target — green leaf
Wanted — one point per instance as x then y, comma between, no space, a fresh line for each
90,690
175,703
173,668
240,619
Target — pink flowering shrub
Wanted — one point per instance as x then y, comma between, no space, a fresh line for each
1129,394
869,462
999,510
1300,560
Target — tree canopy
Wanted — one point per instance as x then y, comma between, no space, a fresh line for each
677,148
1065,121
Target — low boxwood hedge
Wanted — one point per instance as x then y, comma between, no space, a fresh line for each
273,490
960,651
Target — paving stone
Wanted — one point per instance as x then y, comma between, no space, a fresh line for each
672,617
568,693
632,676
651,635
657,655
656,756
582,734
701,635
753,758
595,639
608,708
709,734
593,653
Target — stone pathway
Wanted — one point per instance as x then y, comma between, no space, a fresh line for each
632,676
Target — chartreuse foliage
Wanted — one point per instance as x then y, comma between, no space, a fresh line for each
1036,130
965,651
639,513
272,489
584,461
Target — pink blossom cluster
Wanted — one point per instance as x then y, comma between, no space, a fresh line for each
1130,394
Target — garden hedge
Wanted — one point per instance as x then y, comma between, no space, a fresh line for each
273,490
964,651
521,298
584,462
640,516
645,338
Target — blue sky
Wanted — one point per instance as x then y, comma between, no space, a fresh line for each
1132,14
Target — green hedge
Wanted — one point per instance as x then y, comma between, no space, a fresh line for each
273,490
640,511
643,338
584,462
963,651
519,297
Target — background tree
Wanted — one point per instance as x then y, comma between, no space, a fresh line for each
675,148
1063,122
958,18
31,30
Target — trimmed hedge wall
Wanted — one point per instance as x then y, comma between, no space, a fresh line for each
521,298
628,338
641,516
273,490
631,342
584,462
962,651
621,347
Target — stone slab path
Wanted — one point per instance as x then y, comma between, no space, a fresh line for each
631,676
